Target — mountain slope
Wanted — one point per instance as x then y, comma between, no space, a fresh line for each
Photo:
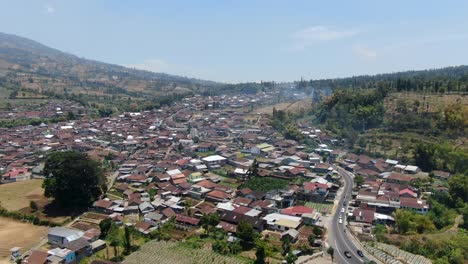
31,66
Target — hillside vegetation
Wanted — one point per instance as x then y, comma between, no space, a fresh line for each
29,69
419,117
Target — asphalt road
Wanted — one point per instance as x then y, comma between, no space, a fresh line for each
338,238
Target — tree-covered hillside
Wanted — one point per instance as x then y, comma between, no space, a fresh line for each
450,79
419,117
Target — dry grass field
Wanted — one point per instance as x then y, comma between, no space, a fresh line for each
17,234
289,106
427,103
17,195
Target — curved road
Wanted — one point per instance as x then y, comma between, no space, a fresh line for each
338,238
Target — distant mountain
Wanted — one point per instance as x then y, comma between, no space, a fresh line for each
28,65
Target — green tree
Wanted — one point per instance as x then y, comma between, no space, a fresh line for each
73,179
33,206
441,215
458,187
286,247
291,258
464,212
180,147
402,220
8,106
424,156
317,231
379,231
331,251
105,226
209,222
127,241
253,170
260,254
70,115
105,112
359,180
311,239
456,116
424,224
13,94
246,232
114,238
291,131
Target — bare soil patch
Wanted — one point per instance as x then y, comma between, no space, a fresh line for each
14,233
288,106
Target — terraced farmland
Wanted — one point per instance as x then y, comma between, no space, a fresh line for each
172,252
394,255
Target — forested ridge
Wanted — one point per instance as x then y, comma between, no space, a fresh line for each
449,79
418,116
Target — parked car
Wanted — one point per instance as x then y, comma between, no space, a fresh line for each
340,220
342,210
359,252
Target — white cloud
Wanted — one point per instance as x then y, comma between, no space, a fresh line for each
364,52
323,33
306,37
50,9
154,65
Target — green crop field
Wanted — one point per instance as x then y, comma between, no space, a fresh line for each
320,207
161,252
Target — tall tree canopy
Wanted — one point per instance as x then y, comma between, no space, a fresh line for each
73,179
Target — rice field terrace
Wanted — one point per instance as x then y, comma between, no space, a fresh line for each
161,252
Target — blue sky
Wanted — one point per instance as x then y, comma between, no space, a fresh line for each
250,40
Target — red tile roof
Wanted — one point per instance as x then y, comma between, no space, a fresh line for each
297,210
412,203
168,212
365,215
242,209
207,184
407,191
242,201
103,204
399,177
37,257
187,219
311,186
16,172
143,225
218,194
228,227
